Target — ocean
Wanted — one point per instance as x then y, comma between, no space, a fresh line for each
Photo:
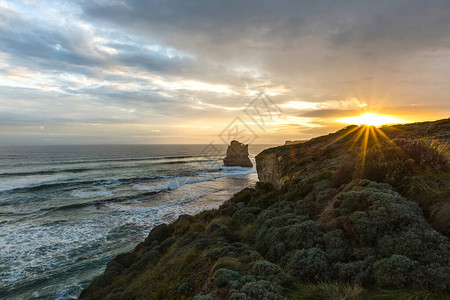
65,211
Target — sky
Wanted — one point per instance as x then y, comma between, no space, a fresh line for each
180,72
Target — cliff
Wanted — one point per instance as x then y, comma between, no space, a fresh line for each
276,165
348,218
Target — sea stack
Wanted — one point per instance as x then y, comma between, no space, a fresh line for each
237,155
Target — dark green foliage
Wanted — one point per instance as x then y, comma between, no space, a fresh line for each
158,234
397,271
345,173
224,277
248,287
265,270
359,271
185,289
203,297
265,200
242,196
336,246
244,216
260,290
310,265
394,228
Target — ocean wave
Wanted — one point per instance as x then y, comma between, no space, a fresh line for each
178,182
149,160
145,191
98,203
77,169
90,194
58,181
37,184
46,172
22,183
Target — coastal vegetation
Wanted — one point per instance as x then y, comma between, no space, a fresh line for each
362,213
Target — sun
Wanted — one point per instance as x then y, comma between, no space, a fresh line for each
371,119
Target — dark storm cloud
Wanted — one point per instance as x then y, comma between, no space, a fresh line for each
385,24
321,45
67,47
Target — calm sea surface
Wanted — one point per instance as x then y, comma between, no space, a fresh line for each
65,211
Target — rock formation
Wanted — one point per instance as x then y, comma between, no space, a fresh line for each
237,155
268,168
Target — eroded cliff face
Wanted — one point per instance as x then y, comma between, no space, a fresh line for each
268,169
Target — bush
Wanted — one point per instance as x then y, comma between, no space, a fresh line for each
345,173
397,271
265,270
287,232
244,216
203,297
185,289
310,265
386,225
260,290
224,277
359,272
395,163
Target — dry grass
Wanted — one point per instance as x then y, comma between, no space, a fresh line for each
338,291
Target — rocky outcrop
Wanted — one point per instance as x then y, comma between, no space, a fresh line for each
268,169
287,143
237,155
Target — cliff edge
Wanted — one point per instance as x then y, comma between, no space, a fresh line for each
278,164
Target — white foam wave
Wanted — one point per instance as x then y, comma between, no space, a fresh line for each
176,183
99,192
25,182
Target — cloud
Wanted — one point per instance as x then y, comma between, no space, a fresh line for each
170,63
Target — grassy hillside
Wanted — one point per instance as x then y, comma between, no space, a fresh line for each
365,220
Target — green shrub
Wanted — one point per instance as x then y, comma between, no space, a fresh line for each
203,297
244,196
244,216
345,173
260,290
397,271
336,246
395,163
386,225
223,277
287,232
310,265
265,270
185,289
237,295
359,272
265,199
